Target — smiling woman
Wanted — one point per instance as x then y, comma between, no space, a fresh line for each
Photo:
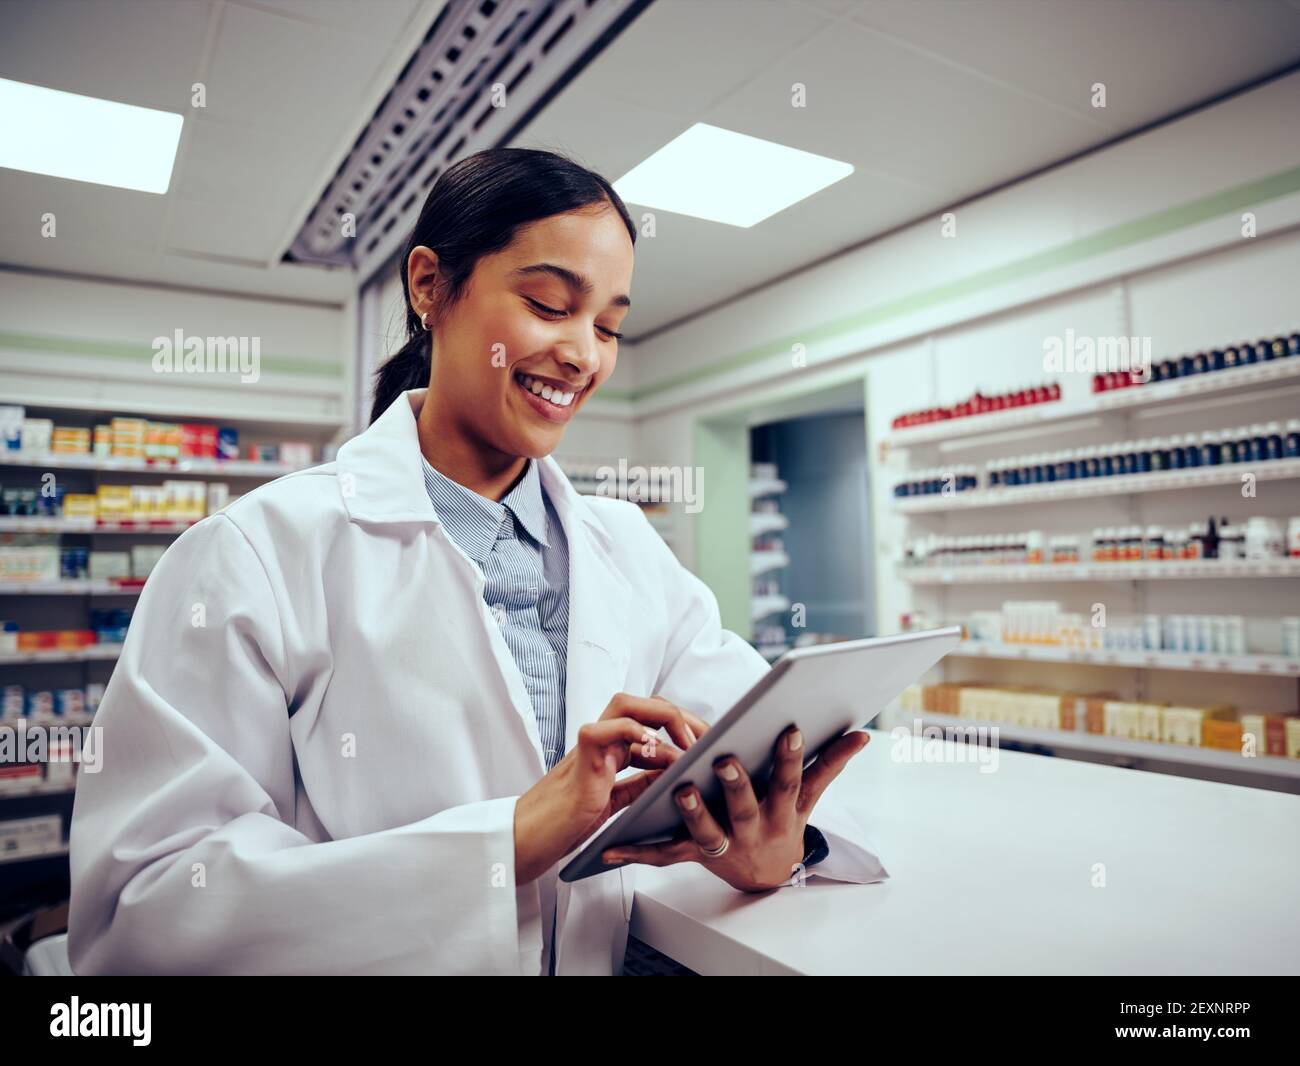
520,262
425,667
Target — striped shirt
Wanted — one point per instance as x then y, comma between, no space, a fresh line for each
520,546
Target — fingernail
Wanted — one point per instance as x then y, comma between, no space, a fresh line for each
610,856
796,741
729,772
689,801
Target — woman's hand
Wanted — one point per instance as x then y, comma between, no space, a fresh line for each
764,845
579,794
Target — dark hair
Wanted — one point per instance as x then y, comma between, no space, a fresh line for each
474,209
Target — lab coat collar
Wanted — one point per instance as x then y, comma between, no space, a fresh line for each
381,477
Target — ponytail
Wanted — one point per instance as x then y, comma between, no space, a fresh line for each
407,368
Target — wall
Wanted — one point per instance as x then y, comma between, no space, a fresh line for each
72,341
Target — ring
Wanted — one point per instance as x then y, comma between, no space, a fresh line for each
719,852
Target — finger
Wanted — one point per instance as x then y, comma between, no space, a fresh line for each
830,761
626,791
651,710
698,725
657,756
787,778
742,805
667,854
608,743
700,823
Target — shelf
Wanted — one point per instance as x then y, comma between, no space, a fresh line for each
1077,740
29,855
1215,383
84,587
767,561
43,790
989,422
766,605
1212,662
23,524
193,467
994,573
1085,488
198,412
762,522
766,486
90,653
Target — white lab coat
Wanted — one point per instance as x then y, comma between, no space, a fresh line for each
315,736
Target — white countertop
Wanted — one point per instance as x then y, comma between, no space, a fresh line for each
992,873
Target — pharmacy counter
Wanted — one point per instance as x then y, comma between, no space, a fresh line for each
1044,866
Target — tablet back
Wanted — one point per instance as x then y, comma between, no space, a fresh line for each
826,690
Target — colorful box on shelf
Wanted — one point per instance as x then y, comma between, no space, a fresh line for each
1216,726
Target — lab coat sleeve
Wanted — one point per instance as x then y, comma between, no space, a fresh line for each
707,668
184,853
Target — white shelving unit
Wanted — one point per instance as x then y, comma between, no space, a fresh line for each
768,605
90,653
1134,571
23,524
1216,383
83,587
1210,401
759,487
763,562
1085,488
188,467
1284,771
1269,665
761,522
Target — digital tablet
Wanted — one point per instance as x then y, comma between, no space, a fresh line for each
826,690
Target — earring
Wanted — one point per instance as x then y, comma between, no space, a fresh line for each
424,320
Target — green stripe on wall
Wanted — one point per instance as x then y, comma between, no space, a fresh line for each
1143,229
51,345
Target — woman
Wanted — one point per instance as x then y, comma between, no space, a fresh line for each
364,714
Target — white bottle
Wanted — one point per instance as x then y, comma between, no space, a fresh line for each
1236,634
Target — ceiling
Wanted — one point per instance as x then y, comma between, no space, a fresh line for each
932,101
288,82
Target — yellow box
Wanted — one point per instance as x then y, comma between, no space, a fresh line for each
1185,725
1120,719
79,505
1149,721
114,501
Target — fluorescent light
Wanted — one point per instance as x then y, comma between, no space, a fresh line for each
67,135
729,177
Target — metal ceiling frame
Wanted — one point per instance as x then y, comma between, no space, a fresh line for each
441,108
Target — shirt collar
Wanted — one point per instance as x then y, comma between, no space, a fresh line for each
474,520
380,480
